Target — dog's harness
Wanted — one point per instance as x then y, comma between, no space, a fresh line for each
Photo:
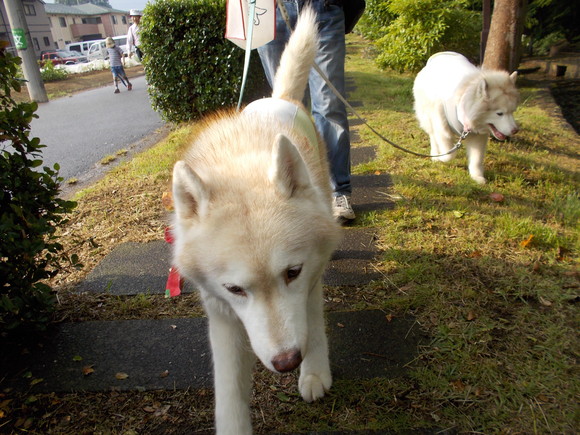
285,111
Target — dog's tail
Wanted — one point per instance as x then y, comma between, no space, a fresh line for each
298,57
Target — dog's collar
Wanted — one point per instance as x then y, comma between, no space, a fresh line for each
287,112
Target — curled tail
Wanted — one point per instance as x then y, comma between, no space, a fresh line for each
298,57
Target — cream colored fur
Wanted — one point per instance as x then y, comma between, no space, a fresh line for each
452,95
254,231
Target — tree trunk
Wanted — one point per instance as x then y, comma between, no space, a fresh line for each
503,48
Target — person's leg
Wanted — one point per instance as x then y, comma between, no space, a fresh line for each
328,111
129,85
115,81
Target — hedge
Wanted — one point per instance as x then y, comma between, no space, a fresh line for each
30,212
190,67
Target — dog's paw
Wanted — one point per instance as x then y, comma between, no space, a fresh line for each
313,387
479,179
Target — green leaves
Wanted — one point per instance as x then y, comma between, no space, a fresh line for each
408,32
190,67
30,211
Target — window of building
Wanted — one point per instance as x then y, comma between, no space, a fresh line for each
74,20
92,20
35,43
62,21
29,10
124,19
114,19
49,22
46,41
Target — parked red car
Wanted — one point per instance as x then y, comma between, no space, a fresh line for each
58,58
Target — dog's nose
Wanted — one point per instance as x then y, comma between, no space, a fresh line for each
514,131
287,361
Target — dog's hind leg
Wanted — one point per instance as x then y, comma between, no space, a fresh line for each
315,378
233,361
475,147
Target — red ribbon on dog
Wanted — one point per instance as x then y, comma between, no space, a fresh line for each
174,280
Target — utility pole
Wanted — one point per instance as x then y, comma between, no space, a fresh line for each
25,50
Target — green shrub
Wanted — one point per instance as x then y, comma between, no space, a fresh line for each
375,20
413,30
30,211
190,67
50,73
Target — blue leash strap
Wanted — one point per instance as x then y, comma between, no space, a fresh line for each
249,36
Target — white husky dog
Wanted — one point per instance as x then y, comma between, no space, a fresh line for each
453,96
254,231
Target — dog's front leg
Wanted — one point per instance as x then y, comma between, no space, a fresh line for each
315,378
233,361
475,148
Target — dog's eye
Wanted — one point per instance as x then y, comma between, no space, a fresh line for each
499,113
234,289
292,273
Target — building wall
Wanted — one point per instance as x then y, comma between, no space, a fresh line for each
76,30
37,20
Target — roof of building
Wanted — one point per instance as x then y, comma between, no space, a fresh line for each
84,9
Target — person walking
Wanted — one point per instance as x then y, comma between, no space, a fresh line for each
117,60
328,111
133,41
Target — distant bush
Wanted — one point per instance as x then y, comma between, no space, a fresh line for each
408,32
30,211
50,73
190,67
375,20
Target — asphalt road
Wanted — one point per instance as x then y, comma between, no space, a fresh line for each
80,130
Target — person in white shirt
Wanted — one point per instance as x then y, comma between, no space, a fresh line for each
133,34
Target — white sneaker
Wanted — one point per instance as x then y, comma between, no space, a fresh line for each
342,209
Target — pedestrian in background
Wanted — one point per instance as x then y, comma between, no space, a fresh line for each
117,60
133,39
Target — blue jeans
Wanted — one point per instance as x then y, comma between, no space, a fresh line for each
328,111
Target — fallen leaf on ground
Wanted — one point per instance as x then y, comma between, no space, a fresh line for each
164,374
458,385
545,302
471,316
496,197
526,243
167,201
87,370
121,376
458,213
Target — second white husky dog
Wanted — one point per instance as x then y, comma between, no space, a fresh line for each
254,231
452,96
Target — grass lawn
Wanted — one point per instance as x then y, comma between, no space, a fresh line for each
490,273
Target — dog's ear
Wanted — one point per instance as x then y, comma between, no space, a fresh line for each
514,77
190,195
288,171
482,89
